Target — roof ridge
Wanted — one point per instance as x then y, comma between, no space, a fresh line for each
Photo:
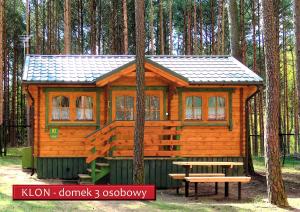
129,56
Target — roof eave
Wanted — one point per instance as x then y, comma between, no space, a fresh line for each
228,83
57,82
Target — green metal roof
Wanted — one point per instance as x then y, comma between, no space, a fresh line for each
88,68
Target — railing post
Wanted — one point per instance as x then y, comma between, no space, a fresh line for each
177,147
93,167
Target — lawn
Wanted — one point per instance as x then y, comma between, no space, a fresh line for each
254,195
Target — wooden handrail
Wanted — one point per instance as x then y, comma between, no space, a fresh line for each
102,137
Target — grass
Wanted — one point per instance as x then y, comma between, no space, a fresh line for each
290,165
166,201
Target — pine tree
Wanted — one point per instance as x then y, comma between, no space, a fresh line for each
275,186
125,30
234,30
67,26
2,3
138,159
297,47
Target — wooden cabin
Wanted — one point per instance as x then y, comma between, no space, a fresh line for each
83,111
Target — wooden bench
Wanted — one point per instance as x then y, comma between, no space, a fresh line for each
226,180
181,176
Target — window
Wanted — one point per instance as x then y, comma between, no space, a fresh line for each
124,107
193,108
60,108
216,108
152,108
84,108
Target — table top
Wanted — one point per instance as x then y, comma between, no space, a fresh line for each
207,163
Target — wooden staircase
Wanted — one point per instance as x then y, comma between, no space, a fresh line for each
100,171
97,145
162,138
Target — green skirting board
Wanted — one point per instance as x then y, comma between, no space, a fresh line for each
156,169
62,168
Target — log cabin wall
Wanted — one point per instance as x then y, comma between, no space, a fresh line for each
198,141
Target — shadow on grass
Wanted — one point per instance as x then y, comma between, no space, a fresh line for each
191,206
10,160
7,204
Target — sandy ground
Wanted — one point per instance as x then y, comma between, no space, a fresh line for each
253,197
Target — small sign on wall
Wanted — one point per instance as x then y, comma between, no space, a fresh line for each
53,133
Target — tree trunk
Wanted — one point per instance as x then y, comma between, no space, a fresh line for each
212,16
297,33
285,91
161,28
170,27
220,31
27,26
188,38
2,20
201,27
151,27
13,121
93,26
67,26
99,36
125,31
234,29
195,43
80,27
37,28
184,42
261,71
275,186
242,30
138,158
295,106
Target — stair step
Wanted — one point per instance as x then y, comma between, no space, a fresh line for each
85,183
102,164
84,176
90,170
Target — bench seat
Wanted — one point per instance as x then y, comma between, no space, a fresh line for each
181,176
224,179
217,179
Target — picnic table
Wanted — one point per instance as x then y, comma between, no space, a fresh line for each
189,164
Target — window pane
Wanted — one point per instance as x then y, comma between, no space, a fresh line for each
193,107
147,103
65,113
60,108
197,107
129,108
80,113
120,103
155,102
197,113
221,108
197,101
84,108
124,107
129,101
89,114
152,108
129,115
212,108
156,115
64,101
89,102
189,107
189,113
55,108
119,115
147,114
